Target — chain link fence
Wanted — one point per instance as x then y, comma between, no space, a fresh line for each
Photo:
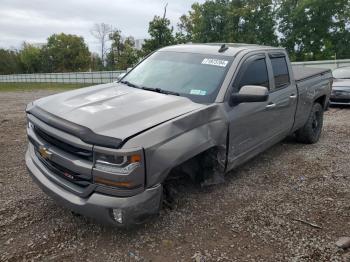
58,80
330,64
81,79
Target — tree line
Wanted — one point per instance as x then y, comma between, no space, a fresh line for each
308,29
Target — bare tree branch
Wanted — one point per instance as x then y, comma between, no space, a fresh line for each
164,15
101,32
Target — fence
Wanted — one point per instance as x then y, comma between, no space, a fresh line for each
56,80
72,78
331,64
80,79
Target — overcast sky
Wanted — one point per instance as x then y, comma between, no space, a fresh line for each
34,20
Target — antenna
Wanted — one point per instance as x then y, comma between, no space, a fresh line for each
223,48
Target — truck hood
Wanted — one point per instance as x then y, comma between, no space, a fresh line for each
116,110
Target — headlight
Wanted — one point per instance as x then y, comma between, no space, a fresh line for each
117,164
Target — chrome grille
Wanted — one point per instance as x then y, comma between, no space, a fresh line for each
50,140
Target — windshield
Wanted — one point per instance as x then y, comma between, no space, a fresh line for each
342,73
196,76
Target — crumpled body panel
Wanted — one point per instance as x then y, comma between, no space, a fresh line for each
172,143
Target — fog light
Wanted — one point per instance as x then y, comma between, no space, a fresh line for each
118,215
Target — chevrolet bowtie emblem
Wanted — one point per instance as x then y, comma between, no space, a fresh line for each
44,152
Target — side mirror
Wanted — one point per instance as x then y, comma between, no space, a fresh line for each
249,94
120,76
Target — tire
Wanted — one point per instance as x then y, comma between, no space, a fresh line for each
310,133
327,106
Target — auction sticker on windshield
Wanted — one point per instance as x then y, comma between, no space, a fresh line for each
198,92
214,62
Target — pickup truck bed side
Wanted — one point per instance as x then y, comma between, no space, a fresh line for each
313,85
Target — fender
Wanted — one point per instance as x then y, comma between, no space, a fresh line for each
192,133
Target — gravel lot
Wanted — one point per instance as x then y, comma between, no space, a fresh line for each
252,217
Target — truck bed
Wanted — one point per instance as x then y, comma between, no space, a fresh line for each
303,73
309,81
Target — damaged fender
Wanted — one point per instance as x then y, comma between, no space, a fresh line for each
192,133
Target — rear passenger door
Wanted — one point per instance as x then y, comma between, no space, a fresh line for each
283,96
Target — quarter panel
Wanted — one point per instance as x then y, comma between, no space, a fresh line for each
308,91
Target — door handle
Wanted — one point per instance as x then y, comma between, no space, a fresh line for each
293,96
271,105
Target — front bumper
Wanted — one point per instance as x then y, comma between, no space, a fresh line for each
339,102
339,97
136,209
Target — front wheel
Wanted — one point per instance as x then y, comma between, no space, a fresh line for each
310,133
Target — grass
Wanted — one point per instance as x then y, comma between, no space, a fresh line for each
11,87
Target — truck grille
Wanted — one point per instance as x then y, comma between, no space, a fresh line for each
65,173
50,140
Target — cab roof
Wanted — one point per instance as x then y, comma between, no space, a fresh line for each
213,48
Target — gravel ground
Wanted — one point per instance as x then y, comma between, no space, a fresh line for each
255,216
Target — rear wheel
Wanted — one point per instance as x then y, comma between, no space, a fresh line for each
327,106
310,133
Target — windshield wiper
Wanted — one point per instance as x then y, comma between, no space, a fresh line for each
159,90
130,84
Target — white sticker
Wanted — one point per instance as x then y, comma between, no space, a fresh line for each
198,92
214,62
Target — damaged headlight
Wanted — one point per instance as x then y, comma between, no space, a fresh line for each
117,164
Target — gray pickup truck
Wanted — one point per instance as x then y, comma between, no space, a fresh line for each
106,151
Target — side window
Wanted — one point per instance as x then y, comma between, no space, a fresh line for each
255,74
280,71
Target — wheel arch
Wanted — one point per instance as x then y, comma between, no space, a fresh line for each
322,100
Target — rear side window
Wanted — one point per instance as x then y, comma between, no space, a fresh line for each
255,74
280,71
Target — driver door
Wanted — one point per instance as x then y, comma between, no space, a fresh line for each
250,123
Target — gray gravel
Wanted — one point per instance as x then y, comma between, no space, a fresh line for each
262,213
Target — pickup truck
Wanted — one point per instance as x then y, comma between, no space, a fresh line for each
107,151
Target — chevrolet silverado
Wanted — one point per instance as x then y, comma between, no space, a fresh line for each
106,151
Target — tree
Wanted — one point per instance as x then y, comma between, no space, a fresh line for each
101,32
96,62
129,55
256,22
9,62
65,53
208,21
30,57
185,30
341,32
246,21
161,34
123,53
314,30
117,47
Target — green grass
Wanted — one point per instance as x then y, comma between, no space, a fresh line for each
11,87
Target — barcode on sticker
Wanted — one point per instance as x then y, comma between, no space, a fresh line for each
214,62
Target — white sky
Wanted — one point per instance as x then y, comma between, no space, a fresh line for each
34,20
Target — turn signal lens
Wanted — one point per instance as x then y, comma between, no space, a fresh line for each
135,158
108,182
